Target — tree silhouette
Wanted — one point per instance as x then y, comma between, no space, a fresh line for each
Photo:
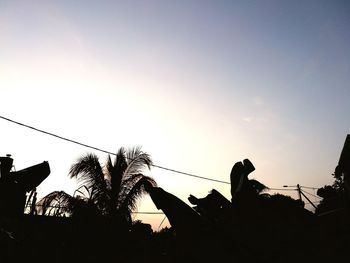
111,191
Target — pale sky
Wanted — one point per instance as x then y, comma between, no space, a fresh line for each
199,84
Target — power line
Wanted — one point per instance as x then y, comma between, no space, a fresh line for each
281,189
111,153
312,194
308,187
192,175
161,223
59,207
104,151
148,213
55,135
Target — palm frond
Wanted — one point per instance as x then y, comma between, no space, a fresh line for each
108,170
56,203
88,171
83,191
133,189
137,161
120,161
115,171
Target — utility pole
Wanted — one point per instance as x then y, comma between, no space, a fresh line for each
308,199
300,194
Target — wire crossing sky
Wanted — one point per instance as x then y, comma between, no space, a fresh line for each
104,151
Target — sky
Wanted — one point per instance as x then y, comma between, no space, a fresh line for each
200,85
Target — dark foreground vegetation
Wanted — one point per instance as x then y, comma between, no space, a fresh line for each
96,226
59,239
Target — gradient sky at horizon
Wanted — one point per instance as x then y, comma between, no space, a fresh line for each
199,84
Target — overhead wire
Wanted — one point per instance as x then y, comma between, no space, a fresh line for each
148,213
161,223
312,194
308,187
60,206
105,151
280,189
114,154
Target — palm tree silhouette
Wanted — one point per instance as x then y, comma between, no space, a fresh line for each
112,190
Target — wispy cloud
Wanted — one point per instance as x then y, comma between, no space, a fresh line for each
248,119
